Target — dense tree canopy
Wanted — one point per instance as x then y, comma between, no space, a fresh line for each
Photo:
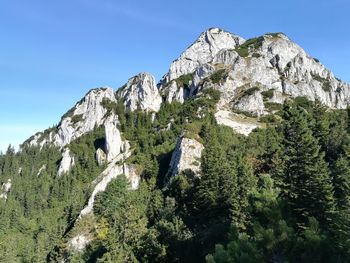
281,194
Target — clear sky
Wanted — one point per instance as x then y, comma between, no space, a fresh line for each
53,52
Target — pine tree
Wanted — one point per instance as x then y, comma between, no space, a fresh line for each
341,181
308,187
321,124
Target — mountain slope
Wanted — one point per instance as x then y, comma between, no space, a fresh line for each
152,173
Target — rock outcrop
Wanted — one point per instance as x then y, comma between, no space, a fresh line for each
101,157
202,51
114,142
66,163
187,155
79,242
87,114
5,189
240,125
141,92
115,168
252,76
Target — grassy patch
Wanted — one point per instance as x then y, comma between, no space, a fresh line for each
245,113
268,94
273,106
250,91
250,44
271,118
217,76
274,35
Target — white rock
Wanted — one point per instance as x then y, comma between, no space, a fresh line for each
253,104
5,189
113,170
85,116
113,138
66,163
133,176
187,155
277,63
79,242
174,93
42,168
202,51
227,118
141,92
226,57
101,157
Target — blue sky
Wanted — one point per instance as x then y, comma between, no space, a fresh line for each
53,52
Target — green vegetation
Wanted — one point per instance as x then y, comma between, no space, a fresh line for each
248,46
184,80
244,91
270,118
218,76
267,94
77,118
280,194
326,85
273,106
277,34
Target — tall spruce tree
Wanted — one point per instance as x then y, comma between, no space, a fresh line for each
307,185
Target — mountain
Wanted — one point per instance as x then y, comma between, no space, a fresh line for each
160,172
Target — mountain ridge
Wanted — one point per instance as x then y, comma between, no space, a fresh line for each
213,125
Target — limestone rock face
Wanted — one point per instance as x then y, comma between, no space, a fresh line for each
5,189
101,157
81,119
202,51
230,119
66,163
141,92
113,139
113,170
246,71
187,155
79,242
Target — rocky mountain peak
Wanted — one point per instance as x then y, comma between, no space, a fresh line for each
203,50
87,114
141,92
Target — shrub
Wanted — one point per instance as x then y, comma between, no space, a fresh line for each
273,106
184,80
217,76
250,91
271,118
268,94
326,85
253,43
77,118
109,105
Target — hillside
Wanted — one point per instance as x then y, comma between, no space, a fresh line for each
240,153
